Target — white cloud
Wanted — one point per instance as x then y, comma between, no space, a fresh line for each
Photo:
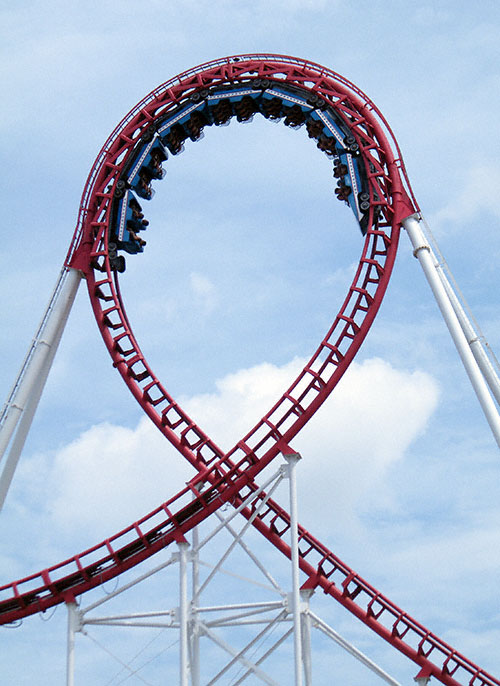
112,475
204,291
354,442
371,417
240,400
107,478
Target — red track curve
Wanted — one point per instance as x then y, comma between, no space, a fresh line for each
231,477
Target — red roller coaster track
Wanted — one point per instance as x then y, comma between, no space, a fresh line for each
230,477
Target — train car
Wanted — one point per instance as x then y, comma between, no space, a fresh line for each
127,218
296,108
217,106
127,221
275,101
187,121
335,139
146,166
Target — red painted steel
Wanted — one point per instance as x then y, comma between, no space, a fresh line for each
230,477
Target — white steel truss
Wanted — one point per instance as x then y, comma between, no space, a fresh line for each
287,619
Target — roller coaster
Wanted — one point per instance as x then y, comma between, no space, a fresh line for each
369,177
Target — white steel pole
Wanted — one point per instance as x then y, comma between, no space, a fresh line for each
24,419
73,626
422,252
25,400
292,460
473,339
351,649
195,628
183,614
57,309
305,595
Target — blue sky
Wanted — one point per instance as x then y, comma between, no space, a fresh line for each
247,260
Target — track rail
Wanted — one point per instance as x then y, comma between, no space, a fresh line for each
230,477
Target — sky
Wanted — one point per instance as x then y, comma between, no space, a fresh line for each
248,258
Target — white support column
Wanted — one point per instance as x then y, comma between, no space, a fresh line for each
73,627
422,252
292,460
31,381
183,614
473,338
305,595
195,627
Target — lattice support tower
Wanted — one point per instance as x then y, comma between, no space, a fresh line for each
292,611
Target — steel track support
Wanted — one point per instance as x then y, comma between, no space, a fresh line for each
239,656
251,555
237,537
24,398
74,625
305,595
194,623
292,460
422,251
266,655
351,649
473,338
470,327
183,614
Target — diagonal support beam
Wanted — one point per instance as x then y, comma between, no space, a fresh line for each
253,557
423,252
23,400
352,650
276,478
264,657
239,656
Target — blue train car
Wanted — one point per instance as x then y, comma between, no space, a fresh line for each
217,105
128,221
186,122
146,166
296,108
